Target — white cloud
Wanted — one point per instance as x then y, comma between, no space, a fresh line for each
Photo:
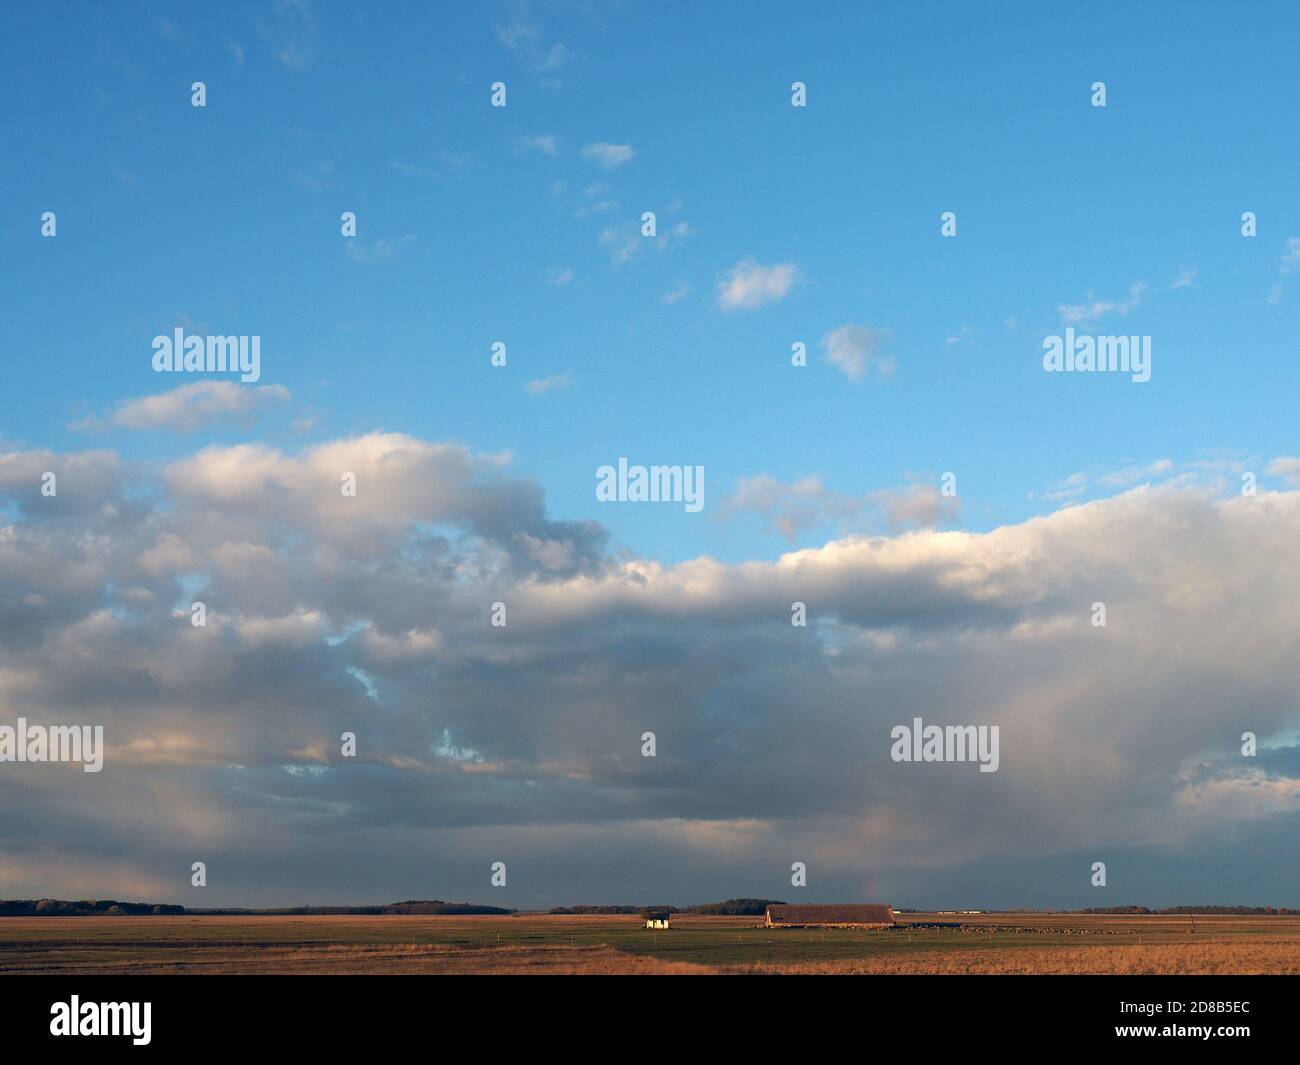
379,251
807,504
674,234
919,506
546,143
1291,255
525,39
291,28
1095,309
1218,474
623,243
188,407
749,284
518,33
608,156
854,349
330,614
552,383
596,207
791,508
552,58
1126,476
1287,467
400,480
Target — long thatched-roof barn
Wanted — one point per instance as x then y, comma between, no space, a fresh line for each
834,916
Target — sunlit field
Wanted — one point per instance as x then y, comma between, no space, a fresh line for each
542,944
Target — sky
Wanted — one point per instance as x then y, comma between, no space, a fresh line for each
947,509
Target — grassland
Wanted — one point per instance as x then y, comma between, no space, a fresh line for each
532,943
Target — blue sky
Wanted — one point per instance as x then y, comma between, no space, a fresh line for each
227,217
776,225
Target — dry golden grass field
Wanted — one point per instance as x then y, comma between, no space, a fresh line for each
619,945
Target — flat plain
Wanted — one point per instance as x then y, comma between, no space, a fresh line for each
619,945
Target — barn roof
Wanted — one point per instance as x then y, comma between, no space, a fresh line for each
835,914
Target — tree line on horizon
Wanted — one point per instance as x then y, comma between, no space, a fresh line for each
739,907
726,908
114,908
1279,911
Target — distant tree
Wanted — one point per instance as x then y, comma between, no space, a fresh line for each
736,907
